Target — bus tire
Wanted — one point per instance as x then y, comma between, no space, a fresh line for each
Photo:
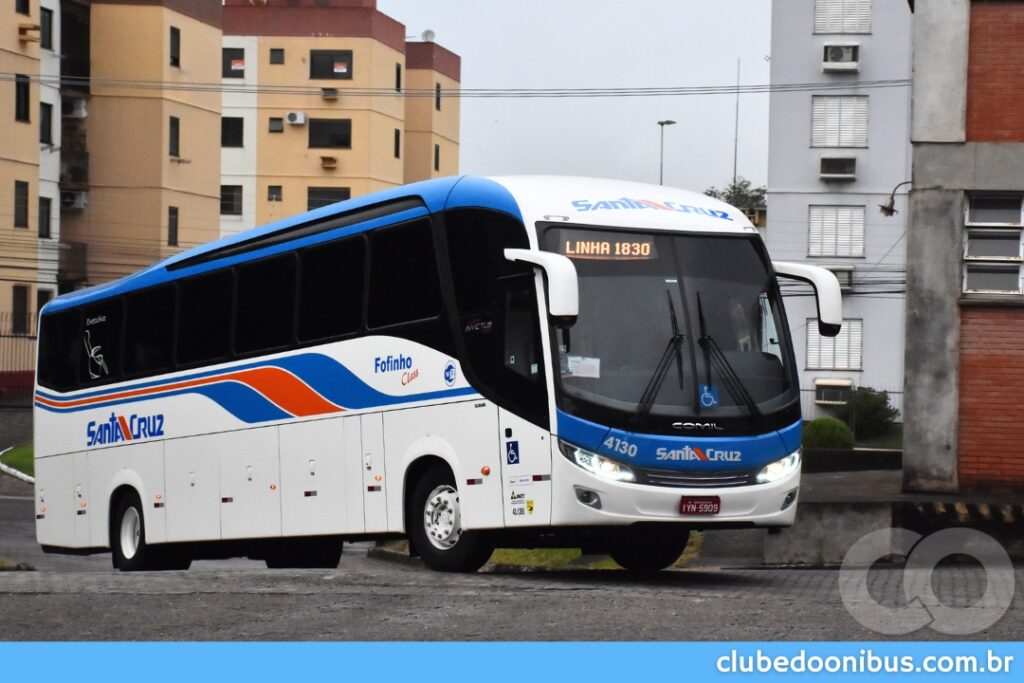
307,553
645,549
128,548
434,524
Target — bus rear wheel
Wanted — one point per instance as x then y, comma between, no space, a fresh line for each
649,549
435,525
128,547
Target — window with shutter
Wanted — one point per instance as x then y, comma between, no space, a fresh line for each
836,231
842,16
839,121
842,352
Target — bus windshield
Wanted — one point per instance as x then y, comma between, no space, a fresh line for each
672,328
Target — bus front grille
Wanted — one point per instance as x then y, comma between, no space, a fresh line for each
707,479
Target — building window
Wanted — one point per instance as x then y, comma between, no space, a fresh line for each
45,216
231,200
19,309
21,98
839,121
841,352
398,143
173,138
21,6
842,16
398,78
836,231
992,243
46,28
176,46
20,204
172,226
437,96
437,157
46,123
333,64
43,297
231,129
332,133
276,125
277,55
232,62
322,196
275,193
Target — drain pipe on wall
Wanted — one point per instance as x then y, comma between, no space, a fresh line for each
17,474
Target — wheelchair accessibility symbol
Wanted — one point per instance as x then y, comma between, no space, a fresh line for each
709,395
512,452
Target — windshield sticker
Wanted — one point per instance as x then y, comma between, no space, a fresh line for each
709,395
628,203
584,366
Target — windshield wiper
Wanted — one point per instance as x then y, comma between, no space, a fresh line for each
673,349
713,355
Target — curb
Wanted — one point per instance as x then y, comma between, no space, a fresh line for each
379,552
17,474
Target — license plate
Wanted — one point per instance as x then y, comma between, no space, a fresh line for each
700,505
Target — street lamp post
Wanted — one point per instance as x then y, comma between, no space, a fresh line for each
661,159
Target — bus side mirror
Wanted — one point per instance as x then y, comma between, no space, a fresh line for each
826,292
563,286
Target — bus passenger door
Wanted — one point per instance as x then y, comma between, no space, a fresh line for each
374,499
525,471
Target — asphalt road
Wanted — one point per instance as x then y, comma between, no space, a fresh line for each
82,598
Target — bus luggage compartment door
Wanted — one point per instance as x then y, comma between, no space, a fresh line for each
375,502
250,484
314,481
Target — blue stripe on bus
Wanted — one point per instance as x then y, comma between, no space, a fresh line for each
754,451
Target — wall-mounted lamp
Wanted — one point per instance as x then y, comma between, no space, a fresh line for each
889,208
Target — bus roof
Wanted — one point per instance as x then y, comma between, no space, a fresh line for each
591,201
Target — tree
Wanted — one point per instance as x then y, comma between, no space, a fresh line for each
740,194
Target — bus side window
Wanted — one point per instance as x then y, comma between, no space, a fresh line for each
496,305
101,342
204,333
404,285
265,308
59,349
149,330
331,289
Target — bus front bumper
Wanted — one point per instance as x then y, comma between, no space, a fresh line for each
584,498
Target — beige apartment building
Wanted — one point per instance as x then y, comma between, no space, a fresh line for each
325,100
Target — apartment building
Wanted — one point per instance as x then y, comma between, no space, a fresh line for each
143,168
965,299
325,100
838,145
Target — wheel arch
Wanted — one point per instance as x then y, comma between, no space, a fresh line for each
121,490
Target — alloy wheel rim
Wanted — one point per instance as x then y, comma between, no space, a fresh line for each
131,533
442,519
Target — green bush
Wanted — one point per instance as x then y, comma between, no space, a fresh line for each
868,413
827,432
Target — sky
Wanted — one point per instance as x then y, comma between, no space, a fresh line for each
605,44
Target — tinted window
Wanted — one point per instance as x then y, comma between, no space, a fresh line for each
330,133
403,275
20,204
232,62
59,350
266,304
175,46
149,330
204,332
101,342
21,97
330,64
231,128
331,294
173,147
46,28
322,196
277,55
231,200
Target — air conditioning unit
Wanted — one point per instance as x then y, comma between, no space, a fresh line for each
296,118
329,162
329,93
844,274
832,392
28,33
74,108
841,57
73,201
838,168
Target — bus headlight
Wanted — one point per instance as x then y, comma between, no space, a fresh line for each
596,464
779,469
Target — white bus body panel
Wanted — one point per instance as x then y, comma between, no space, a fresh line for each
355,498
81,489
140,466
525,471
465,435
55,504
250,476
315,478
192,467
375,484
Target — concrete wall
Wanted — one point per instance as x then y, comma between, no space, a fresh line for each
940,70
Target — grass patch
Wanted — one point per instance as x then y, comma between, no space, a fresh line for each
12,566
20,458
892,441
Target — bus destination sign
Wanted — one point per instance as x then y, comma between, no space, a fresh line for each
607,246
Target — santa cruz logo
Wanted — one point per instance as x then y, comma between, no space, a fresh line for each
121,428
628,203
702,454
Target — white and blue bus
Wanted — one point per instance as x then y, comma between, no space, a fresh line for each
467,362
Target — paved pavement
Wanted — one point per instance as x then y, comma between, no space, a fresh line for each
75,598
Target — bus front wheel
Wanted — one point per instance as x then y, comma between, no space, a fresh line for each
649,549
435,525
128,547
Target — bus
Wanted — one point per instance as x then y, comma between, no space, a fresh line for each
465,362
